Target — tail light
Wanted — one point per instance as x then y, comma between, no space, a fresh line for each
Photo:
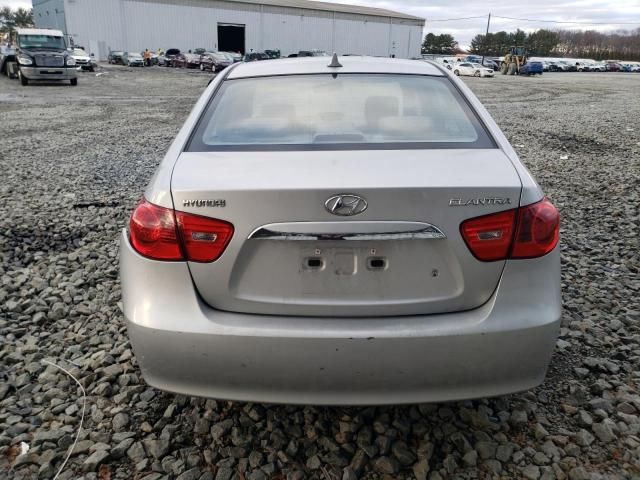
489,237
538,230
527,232
204,239
152,232
161,234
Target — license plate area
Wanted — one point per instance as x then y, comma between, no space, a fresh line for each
329,273
343,261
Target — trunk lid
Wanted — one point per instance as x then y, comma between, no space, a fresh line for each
402,255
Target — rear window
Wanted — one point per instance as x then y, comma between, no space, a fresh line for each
344,111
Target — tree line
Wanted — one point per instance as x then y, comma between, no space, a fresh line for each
12,19
621,45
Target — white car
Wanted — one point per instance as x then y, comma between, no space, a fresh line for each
353,230
84,61
472,69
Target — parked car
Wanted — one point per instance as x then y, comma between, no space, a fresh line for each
84,61
186,60
169,55
531,68
132,59
557,67
613,67
272,54
472,69
567,66
115,57
485,62
255,56
233,56
445,267
214,61
490,64
312,53
199,51
583,66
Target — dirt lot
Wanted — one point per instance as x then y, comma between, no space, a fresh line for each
74,161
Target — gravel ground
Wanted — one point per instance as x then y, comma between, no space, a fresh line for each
75,160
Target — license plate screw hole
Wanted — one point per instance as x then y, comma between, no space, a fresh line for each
435,272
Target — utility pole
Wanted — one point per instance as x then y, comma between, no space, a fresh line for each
485,38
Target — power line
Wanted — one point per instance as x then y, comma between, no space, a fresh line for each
532,20
452,19
560,21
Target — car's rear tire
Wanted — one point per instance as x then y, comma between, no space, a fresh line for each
24,81
477,73
74,82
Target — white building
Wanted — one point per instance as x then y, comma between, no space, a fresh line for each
231,25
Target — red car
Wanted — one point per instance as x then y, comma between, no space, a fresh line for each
613,67
186,60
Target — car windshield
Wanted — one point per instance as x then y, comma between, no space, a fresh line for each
315,111
135,55
79,51
41,41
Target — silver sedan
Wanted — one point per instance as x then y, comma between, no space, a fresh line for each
341,231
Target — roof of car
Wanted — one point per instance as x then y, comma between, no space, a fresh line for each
350,64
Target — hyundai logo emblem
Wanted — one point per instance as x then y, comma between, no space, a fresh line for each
345,205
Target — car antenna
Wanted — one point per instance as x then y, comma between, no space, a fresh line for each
334,61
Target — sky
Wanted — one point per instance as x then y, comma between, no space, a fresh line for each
613,13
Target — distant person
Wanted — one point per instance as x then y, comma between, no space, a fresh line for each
147,57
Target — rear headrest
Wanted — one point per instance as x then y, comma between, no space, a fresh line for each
381,106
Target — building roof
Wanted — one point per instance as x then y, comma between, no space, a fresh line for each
39,31
333,7
350,64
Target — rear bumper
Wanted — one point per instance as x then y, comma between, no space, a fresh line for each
185,346
49,73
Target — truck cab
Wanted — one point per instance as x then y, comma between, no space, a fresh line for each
42,55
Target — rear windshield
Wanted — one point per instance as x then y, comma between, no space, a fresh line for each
345,111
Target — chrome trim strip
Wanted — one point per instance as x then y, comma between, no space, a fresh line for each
428,232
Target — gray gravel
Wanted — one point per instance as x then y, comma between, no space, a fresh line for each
75,160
